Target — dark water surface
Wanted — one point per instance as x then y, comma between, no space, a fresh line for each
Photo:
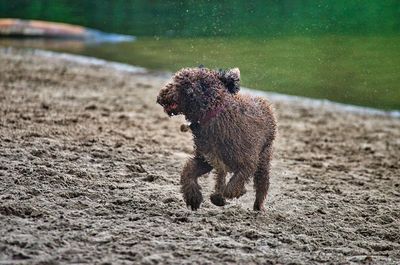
346,51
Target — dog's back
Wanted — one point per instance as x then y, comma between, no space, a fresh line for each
238,135
260,112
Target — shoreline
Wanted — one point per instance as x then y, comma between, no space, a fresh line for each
270,95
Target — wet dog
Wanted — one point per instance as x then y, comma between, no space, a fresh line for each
232,133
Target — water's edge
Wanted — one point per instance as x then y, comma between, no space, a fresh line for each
272,96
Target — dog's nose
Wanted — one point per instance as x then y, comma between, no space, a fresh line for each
158,100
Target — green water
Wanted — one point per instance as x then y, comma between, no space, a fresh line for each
346,51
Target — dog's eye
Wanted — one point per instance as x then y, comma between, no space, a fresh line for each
189,91
203,86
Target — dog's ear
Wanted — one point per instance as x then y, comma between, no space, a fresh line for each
231,79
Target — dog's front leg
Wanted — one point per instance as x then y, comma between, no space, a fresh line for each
194,168
217,197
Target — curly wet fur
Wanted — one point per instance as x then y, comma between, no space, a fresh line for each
237,138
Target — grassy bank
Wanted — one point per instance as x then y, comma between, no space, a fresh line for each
356,70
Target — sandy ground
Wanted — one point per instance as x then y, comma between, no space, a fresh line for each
89,170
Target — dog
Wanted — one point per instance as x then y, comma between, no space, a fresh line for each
232,133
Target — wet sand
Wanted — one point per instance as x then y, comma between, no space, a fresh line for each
89,173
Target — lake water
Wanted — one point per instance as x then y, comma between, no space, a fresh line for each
345,51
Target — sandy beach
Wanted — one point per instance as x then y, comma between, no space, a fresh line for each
90,167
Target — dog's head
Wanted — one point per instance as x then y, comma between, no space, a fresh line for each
194,91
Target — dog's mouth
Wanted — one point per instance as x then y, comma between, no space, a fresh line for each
171,108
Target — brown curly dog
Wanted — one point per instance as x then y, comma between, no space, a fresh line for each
232,133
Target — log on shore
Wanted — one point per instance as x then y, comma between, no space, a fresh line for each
43,29
36,28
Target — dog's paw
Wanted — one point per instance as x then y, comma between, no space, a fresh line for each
259,208
233,191
242,192
193,199
217,199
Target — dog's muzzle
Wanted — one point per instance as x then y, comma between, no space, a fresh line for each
171,108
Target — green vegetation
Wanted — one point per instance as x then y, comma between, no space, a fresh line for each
342,50
195,18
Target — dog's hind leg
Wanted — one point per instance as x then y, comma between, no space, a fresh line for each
217,197
236,185
261,179
194,168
